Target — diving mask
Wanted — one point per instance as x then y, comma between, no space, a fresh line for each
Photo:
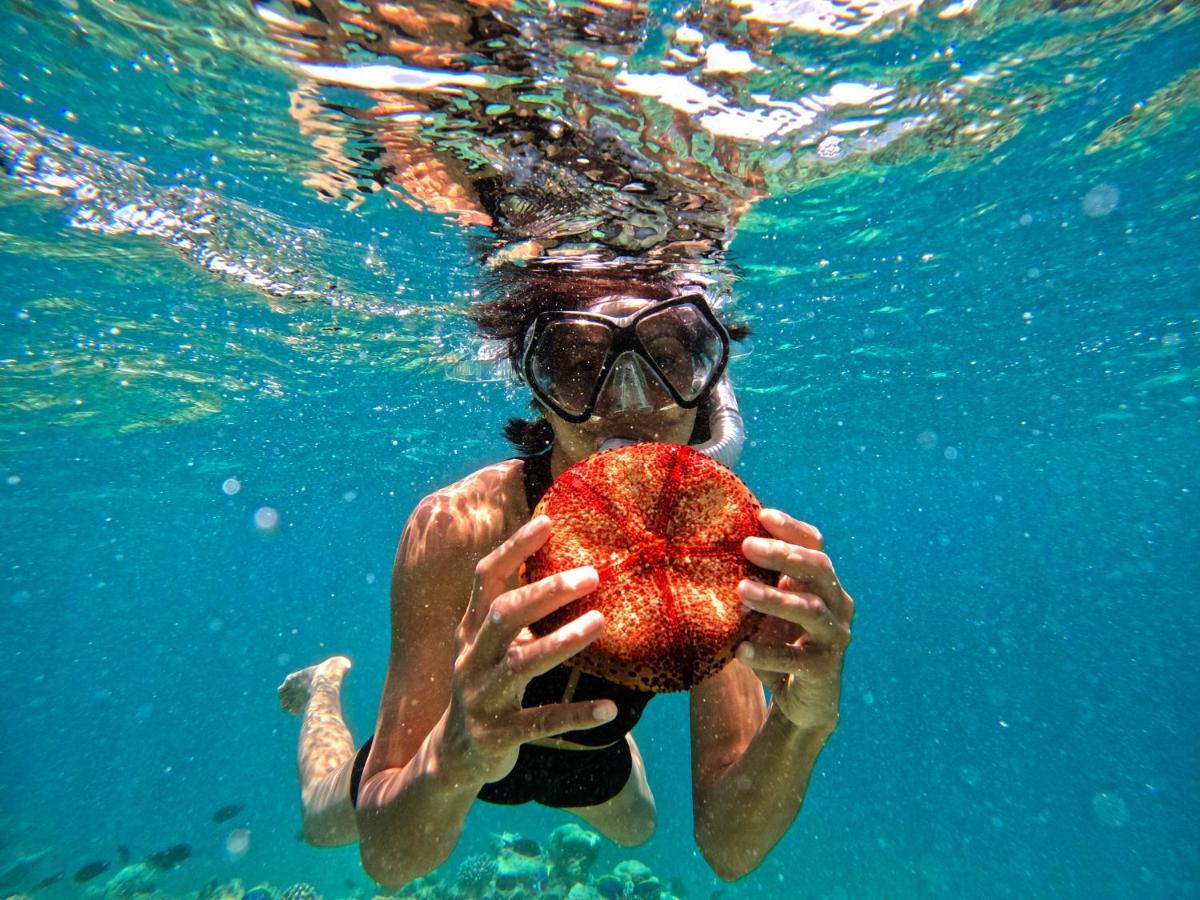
673,351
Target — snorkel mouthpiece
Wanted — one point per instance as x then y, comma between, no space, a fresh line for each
727,430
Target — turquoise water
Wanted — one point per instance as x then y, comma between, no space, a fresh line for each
975,368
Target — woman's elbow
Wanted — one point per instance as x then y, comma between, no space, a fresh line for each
382,861
382,870
727,864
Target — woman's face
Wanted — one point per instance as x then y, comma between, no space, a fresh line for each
622,410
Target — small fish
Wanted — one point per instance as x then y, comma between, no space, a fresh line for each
169,858
123,855
527,847
46,882
225,813
91,870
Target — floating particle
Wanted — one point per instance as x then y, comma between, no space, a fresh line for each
1100,201
1025,219
1110,809
266,519
970,774
231,486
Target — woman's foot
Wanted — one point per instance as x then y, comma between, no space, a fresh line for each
299,686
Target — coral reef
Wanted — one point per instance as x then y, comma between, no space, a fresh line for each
215,891
573,852
475,875
518,868
431,888
135,881
514,867
300,891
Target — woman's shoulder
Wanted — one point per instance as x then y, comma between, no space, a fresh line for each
472,515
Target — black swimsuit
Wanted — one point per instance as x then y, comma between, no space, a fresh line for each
550,775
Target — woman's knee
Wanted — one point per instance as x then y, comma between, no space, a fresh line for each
328,812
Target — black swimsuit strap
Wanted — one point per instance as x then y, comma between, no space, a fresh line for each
536,473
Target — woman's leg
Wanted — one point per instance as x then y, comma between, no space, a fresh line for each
326,753
629,818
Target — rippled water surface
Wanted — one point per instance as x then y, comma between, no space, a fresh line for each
237,241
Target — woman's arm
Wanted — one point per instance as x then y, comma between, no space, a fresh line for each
750,763
451,718
750,770
412,801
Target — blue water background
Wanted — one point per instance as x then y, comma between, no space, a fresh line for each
998,442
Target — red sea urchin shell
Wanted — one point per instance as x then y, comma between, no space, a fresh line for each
663,525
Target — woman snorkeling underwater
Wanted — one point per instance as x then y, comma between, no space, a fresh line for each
473,706
604,302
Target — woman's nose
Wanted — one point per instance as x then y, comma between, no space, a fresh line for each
627,388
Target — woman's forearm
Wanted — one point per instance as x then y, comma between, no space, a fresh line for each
746,809
410,819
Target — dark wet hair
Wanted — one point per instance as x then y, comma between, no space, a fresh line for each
516,296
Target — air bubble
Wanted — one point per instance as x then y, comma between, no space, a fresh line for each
230,486
1100,201
237,843
266,519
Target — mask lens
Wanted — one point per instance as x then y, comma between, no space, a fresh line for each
684,345
565,362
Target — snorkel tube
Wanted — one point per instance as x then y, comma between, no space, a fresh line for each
727,431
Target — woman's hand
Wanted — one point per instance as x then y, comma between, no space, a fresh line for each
496,657
797,651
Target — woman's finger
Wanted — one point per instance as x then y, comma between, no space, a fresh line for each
787,528
559,718
784,658
521,607
811,567
494,570
806,610
533,658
